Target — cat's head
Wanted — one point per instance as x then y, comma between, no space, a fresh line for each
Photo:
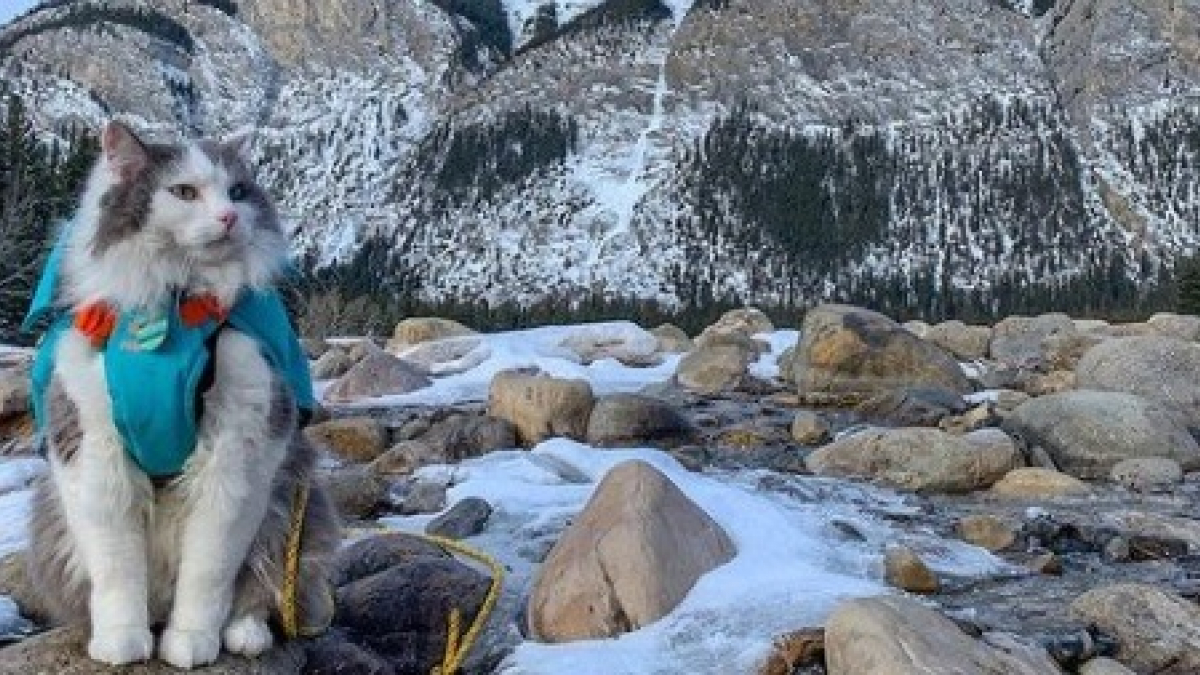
156,218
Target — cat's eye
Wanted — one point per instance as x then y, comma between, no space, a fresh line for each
187,193
239,191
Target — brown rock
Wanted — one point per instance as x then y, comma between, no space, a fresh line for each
354,439
964,342
1158,632
377,374
715,366
627,560
356,491
896,635
332,364
406,457
746,321
627,419
541,406
1179,326
809,428
1035,484
798,649
672,339
849,349
425,329
1021,340
905,570
1147,474
1161,369
926,460
990,532
1086,433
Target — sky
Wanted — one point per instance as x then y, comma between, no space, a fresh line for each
11,8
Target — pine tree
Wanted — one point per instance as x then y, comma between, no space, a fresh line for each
1188,285
39,183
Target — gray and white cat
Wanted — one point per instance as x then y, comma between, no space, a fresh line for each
201,555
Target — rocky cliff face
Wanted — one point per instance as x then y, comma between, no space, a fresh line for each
671,149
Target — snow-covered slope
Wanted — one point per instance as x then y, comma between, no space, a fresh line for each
674,150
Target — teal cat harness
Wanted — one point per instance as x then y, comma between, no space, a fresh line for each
158,363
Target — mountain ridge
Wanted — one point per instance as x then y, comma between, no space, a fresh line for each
677,152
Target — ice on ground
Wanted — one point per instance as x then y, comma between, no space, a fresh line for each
15,509
793,564
767,365
15,500
542,348
12,625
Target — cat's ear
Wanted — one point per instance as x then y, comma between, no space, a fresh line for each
123,150
239,141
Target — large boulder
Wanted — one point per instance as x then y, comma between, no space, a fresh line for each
1180,326
541,406
964,342
894,635
416,330
1038,484
354,439
1158,632
377,374
1086,433
630,419
746,322
627,560
395,594
850,349
672,339
924,460
1160,368
716,365
1020,340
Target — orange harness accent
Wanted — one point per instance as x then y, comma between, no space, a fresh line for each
98,320
195,311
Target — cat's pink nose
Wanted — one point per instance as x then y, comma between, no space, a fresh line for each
228,219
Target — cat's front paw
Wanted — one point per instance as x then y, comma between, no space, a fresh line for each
248,636
189,648
121,645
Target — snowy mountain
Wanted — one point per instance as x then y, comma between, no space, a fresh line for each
676,150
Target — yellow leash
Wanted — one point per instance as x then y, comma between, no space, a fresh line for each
458,644
290,607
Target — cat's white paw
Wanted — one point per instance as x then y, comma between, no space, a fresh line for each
189,648
120,645
248,636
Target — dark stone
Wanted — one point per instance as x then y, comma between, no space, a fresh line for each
334,654
402,613
466,518
463,436
376,554
634,418
913,406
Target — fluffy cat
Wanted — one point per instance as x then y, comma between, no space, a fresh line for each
200,554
